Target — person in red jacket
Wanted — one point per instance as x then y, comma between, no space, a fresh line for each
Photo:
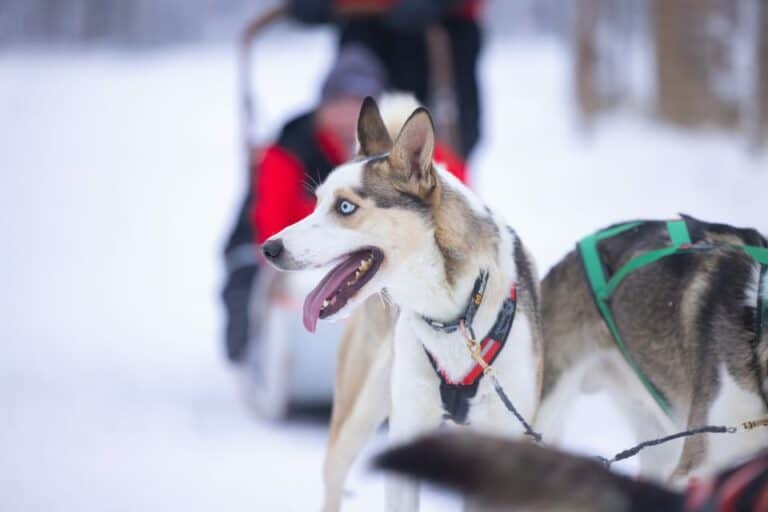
397,31
307,149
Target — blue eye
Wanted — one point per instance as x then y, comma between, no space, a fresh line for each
345,207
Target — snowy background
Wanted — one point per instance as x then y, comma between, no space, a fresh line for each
119,175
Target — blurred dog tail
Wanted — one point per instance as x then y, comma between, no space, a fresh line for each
495,473
396,108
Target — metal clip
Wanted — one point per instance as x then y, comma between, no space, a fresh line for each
749,425
475,349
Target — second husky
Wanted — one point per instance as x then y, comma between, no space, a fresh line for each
694,322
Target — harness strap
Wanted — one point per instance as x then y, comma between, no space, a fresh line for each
762,304
455,395
678,233
760,255
478,292
602,287
595,274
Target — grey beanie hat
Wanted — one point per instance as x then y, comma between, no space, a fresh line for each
356,72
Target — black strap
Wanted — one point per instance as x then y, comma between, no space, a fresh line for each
456,396
761,305
478,292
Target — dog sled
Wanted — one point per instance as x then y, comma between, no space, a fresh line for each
285,365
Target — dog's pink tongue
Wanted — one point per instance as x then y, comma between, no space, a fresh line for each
325,289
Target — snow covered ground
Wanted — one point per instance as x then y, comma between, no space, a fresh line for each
119,173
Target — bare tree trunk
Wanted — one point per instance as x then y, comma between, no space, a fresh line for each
688,56
762,87
586,15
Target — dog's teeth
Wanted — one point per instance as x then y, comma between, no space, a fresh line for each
326,302
333,299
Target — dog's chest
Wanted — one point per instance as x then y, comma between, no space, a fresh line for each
515,367
449,352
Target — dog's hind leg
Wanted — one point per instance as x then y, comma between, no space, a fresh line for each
361,395
731,404
644,417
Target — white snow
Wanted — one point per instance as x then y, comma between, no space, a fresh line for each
119,174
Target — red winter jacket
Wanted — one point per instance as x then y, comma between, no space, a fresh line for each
468,9
282,176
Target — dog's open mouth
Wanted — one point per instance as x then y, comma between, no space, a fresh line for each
341,284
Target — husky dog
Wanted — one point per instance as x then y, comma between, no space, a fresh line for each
690,321
392,220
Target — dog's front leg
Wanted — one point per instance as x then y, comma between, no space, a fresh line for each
416,408
361,393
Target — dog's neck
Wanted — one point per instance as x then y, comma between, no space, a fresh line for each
441,280
444,302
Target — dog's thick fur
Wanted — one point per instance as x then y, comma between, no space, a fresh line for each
500,474
689,320
436,237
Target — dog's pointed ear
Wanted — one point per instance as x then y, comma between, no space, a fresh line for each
412,153
372,134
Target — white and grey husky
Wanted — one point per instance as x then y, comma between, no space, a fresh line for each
392,221
395,223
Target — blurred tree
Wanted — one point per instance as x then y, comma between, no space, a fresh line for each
708,60
762,65
755,105
124,22
694,61
604,33
588,97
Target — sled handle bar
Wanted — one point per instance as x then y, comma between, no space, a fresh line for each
245,66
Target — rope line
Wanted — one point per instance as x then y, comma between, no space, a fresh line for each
488,370
510,406
631,452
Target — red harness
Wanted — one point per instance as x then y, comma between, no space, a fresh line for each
456,395
490,348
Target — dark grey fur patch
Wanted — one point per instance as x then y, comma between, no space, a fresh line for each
525,273
681,318
380,190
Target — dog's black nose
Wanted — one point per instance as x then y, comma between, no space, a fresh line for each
273,249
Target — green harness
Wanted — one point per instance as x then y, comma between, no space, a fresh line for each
603,286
